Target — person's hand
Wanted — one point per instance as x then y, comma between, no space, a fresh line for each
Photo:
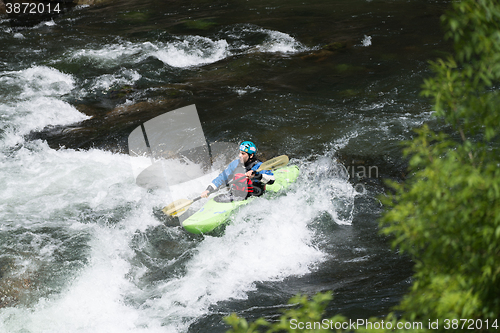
250,174
204,194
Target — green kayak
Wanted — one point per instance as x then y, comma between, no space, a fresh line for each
214,214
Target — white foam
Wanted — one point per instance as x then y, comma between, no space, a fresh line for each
327,189
34,101
112,54
106,82
367,41
37,81
93,302
39,179
192,51
281,42
50,23
43,111
275,42
245,90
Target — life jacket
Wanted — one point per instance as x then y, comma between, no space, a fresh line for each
242,187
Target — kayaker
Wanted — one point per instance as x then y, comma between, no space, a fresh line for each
247,181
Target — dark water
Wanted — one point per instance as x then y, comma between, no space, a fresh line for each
333,84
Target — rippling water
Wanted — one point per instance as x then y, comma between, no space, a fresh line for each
333,84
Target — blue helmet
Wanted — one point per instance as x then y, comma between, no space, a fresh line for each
248,147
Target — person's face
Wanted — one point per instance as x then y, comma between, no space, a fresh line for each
244,157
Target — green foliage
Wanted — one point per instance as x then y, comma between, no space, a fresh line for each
462,87
447,216
306,316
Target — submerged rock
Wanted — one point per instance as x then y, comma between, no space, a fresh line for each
335,46
107,129
326,51
14,288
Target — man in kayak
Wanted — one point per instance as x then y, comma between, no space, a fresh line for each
247,181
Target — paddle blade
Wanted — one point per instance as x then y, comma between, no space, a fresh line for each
274,163
177,207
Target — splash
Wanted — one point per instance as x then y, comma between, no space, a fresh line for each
367,41
111,232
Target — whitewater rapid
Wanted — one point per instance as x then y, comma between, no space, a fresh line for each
78,234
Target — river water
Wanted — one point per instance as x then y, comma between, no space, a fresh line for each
333,84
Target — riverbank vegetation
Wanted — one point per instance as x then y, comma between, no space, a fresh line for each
446,215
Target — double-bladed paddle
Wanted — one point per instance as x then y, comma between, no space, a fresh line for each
178,207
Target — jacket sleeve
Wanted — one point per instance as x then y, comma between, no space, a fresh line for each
264,176
222,178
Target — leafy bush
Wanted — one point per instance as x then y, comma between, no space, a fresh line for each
447,216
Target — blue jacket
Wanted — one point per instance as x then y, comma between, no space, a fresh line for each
224,176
